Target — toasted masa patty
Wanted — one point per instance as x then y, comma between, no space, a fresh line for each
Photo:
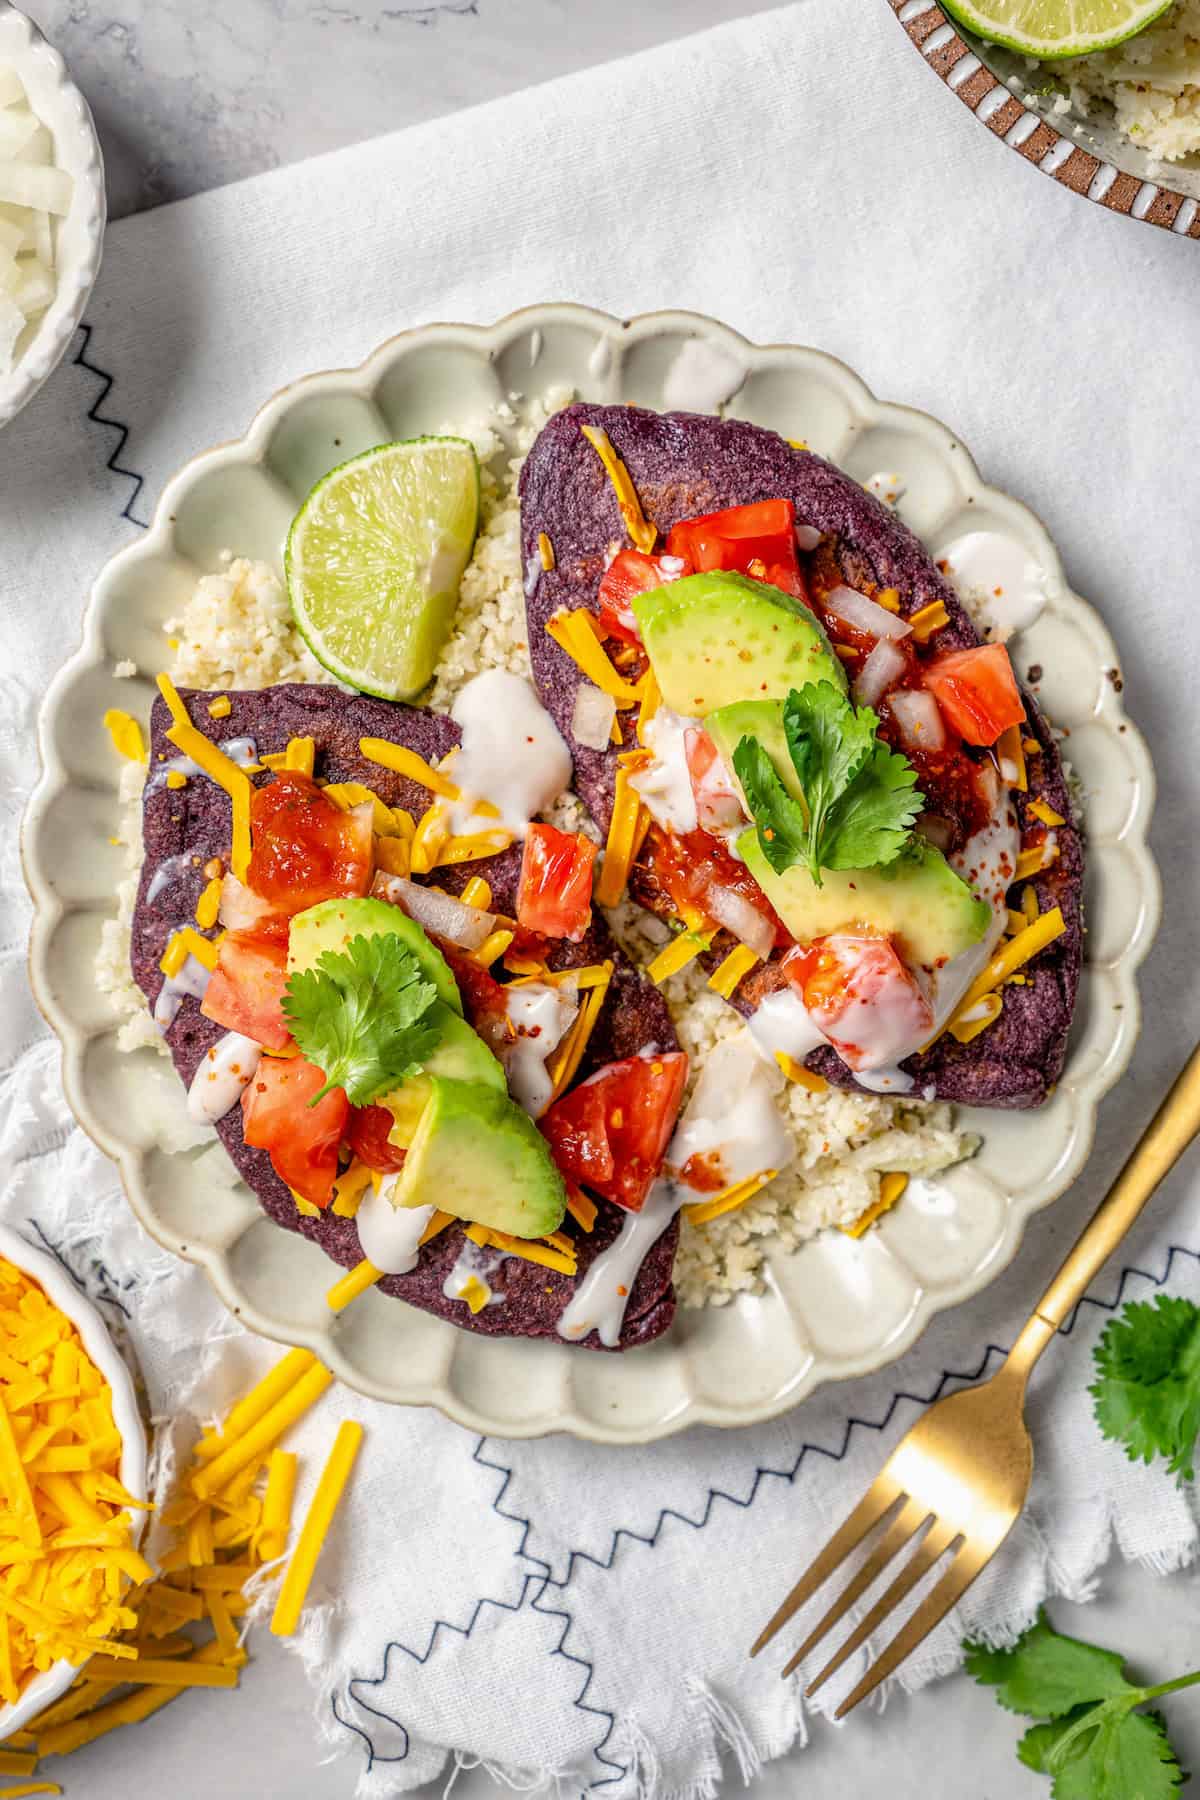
184,827
685,464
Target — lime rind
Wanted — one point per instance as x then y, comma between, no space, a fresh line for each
994,28
374,559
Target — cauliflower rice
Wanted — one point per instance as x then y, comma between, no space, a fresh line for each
1152,84
236,631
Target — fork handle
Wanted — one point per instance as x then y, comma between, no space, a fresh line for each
1159,1148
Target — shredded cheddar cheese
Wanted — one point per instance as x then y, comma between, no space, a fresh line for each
1045,813
642,534
493,946
891,1187
349,1188
176,779
316,1525
214,762
270,1539
678,954
437,1223
928,619
567,1058
354,1282
1035,859
582,1207
184,943
889,599
347,794
407,763
208,905
221,707
703,1210
545,551
243,1443
626,832
477,893
393,855
650,703
796,1071
967,1025
1011,752
431,835
300,755
574,634
126,734
734,969
1012,955
472,847
527,1249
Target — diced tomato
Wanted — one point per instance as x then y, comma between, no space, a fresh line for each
612,1131
367,1135
554,896
687,868
301,1140
304,848
757,540
860,994
977,691
245,990
482,995
632,572
718,803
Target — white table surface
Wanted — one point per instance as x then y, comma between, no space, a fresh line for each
190,95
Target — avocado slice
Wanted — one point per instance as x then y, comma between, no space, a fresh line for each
718,638
461,1056
477,1155
917,899
761,719
331,925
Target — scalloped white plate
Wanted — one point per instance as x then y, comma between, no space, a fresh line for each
836,1308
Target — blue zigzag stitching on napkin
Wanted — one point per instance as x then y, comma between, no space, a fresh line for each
537,1584
99,418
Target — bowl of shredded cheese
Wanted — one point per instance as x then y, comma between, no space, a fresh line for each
52,209
72,1483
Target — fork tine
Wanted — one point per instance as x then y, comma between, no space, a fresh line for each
906,1523
879,1497
921,1561
954,1583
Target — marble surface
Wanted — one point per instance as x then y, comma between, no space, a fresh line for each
190,94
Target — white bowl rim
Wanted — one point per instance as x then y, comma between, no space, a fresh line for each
83,1313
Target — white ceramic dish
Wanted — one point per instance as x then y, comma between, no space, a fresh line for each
54,1681
79,237
836,1308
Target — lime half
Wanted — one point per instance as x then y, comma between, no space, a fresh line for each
1049,29
374,559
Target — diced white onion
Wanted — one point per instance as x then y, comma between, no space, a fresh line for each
807,537
919,718
31,190
240,908
591,720
938,831
735,913
863,614
884,665
46,190
441,914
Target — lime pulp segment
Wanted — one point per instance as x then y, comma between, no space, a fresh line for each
1049,29
375,557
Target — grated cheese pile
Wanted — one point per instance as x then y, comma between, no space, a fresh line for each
178,1627
1151,85
236,631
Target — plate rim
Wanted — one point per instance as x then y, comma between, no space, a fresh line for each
49,909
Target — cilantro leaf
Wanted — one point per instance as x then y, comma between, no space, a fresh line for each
859,798
829,742
1045,1674
362,1017
1147,1395
779,819
1094,1744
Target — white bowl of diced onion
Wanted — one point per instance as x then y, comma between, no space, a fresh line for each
52,209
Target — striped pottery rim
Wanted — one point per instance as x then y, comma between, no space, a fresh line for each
1008,117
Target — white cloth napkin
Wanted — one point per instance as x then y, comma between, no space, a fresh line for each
555,1608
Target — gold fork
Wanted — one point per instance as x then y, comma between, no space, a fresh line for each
960,1477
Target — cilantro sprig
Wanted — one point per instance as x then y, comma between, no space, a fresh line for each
859,797
1147,1391
1093,1742
362,1016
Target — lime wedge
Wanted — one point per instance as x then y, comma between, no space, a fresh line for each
374,559
1049,29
